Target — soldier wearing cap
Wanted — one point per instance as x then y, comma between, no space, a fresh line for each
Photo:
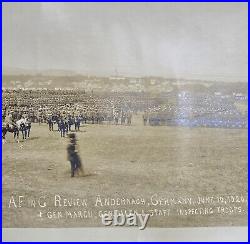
62,128
73,157
77,123
50,123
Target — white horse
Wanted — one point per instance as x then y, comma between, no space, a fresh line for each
21,121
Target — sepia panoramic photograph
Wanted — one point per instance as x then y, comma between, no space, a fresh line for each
124,114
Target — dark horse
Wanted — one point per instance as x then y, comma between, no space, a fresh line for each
12,129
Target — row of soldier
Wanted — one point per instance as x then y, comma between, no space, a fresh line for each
37,104
65,123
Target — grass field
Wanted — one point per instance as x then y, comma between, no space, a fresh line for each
127,161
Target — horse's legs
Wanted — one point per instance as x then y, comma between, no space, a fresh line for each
3,135
3,140
4,132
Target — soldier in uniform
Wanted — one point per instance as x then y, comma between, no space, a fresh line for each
70,122
129,117
97,115
28,127
93,117
84,117
23,129
116,116
123,118
110,117
58,123
50,123
62,128
145,118
73,157
16,131
66,125
77,123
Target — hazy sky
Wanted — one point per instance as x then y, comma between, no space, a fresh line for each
168,39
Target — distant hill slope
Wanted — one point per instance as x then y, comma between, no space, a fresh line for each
146,84
49,72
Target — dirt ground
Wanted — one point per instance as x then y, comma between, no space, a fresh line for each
130,162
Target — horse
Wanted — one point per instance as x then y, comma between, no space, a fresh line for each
12,129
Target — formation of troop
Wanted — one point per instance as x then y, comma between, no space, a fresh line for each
199,110
65,124
41,105
66,110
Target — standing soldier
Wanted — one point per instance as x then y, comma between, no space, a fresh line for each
84,117
70,122
93,117
123,118
62,128
28,126
77,123
58,123
66,125
116,116
110,117
98,120
39,115
145,117
73,157
50,123
129,117
23,129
